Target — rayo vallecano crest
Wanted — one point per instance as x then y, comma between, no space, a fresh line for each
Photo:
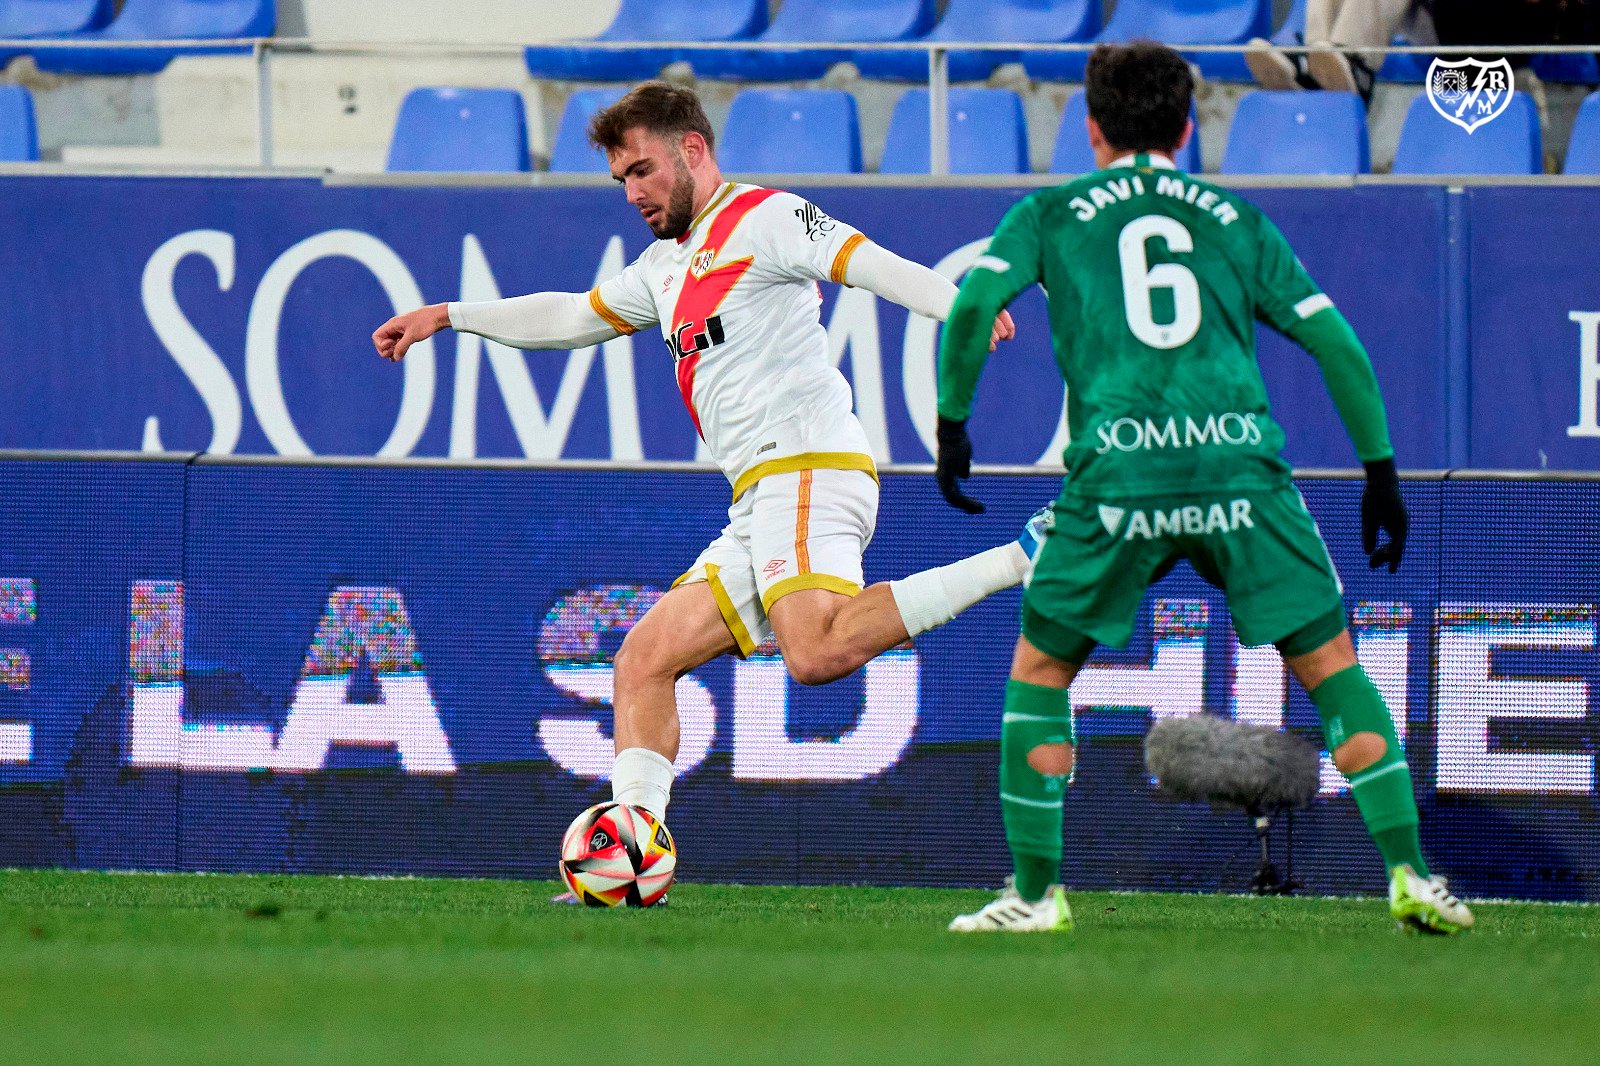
1469,92
702,261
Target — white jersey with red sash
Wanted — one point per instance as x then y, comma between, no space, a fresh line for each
737,301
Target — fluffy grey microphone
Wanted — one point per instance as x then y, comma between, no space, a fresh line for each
1203,757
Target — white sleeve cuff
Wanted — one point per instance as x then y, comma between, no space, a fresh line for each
540,320
911,285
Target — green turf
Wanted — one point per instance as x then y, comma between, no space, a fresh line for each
164,969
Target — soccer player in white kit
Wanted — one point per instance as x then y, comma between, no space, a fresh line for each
732,283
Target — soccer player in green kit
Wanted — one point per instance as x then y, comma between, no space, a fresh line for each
1155,281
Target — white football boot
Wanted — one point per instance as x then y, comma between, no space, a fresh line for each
1424,904
1010,913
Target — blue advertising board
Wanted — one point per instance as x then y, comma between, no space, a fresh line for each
234,664
233,316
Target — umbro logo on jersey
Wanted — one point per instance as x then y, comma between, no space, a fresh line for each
702,261
666,283
818,225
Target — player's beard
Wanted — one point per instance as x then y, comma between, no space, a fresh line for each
680,207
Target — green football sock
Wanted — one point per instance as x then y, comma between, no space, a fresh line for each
1030,802
1349,703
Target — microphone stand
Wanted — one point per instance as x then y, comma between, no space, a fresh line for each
1267,880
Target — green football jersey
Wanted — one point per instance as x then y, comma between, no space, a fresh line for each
1155,281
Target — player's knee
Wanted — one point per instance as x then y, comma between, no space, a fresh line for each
1359,752
639,658
1052,760
818,665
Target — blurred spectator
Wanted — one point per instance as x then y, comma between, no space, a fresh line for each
1346,38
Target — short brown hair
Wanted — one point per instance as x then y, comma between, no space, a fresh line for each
656,107
1139,93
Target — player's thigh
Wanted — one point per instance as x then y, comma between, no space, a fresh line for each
808,531
682,630
726,574
1089,579
1265,552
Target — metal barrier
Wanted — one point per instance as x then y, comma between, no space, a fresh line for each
264,48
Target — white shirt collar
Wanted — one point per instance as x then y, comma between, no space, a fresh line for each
1144,159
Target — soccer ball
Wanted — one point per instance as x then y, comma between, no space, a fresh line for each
618,853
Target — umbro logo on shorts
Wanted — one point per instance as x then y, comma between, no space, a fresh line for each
774,568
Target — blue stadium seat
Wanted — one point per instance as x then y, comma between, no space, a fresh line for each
151,20
1176,21
1073,155
1583,151
572,153
791,131
818,20
19,138
446,129
1509,144
1298,133
649,20
987,133
1578,68
1293,30
987,20
48,18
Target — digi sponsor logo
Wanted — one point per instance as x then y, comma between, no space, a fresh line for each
1469,92
692,338
1230,428
1192,520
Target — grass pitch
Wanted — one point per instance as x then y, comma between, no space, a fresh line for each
181,968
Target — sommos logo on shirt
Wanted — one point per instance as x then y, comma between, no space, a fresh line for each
1135,435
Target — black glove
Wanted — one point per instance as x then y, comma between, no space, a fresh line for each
955,463
1383,509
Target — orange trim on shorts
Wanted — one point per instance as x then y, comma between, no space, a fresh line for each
802,525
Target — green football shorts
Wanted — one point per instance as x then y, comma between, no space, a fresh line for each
1261,547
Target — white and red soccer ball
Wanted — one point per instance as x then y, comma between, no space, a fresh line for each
618,853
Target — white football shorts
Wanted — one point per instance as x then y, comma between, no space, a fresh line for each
800,530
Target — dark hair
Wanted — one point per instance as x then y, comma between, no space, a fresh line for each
1139,93
656,107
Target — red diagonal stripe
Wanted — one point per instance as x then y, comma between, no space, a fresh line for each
700,297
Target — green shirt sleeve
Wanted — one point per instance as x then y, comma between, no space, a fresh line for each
1291,303
1009,265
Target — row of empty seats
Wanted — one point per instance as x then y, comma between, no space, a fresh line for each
816,131
1198,22
90,23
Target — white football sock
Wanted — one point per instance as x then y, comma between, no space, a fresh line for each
643,778
933,597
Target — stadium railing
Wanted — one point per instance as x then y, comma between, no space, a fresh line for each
263,49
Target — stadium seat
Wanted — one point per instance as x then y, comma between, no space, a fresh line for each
1577,68
19,138
459,130
987,133
1431,144
1073,155
48,18
791,131
161,20
649,20
1179,21
818,20
572,153
1395,67
1298,133
987,20
1583,151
